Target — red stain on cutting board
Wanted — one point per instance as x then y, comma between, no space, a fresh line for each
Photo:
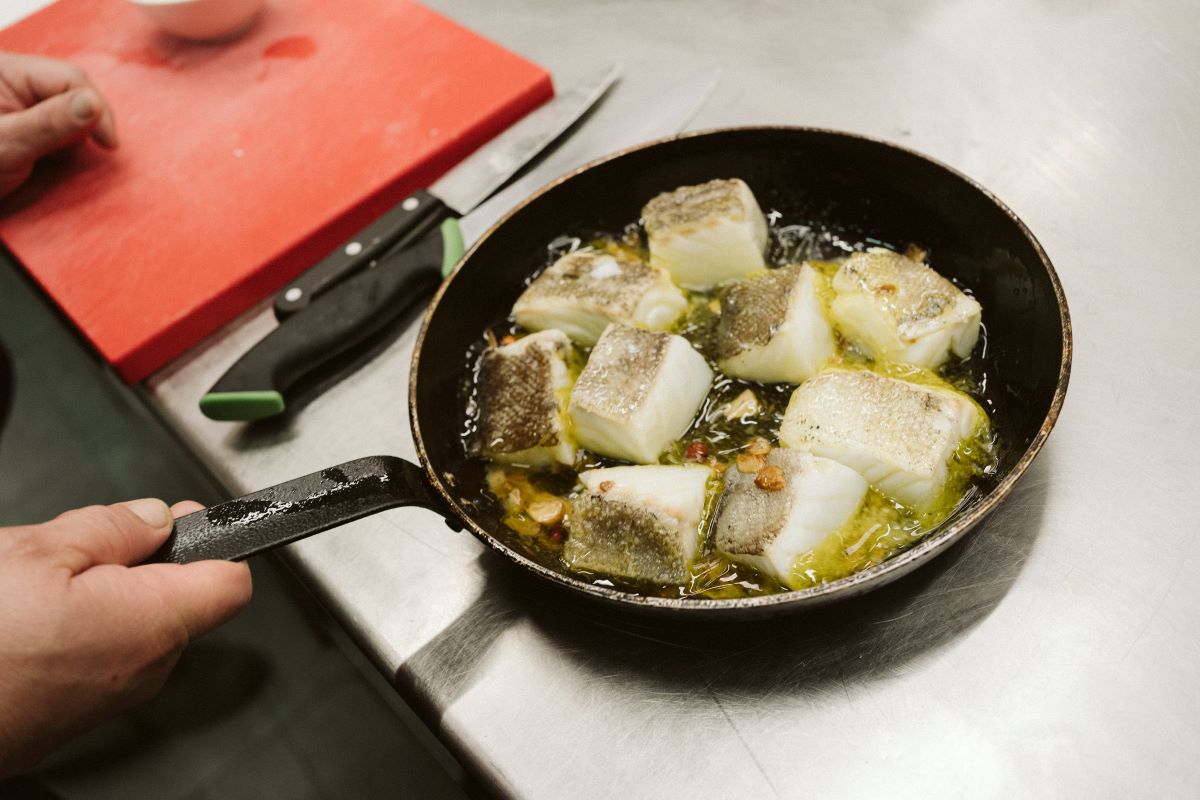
287,47
226,186
291,47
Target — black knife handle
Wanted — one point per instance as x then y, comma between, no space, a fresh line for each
409,218
256,522
257,385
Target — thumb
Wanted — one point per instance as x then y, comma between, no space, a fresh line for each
52,124
125,533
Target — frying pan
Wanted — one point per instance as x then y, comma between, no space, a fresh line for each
865,189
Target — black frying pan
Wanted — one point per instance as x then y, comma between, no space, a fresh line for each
860,187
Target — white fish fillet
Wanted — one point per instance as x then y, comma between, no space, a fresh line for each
769,530
640,523
523,391
639,392
902,310
706,234
900,436
773,327
582,292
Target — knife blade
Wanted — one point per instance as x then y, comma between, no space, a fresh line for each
457,192
612,128
355,308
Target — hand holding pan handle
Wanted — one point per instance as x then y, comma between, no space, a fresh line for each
254,523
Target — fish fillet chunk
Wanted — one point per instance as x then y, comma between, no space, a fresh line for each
902,310
639,392
523,391
769,530
900,436
773,328
639,523
582,292
706,234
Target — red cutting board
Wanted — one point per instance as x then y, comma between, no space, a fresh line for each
242,163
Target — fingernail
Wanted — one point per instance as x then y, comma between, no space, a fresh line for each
83,105
152,511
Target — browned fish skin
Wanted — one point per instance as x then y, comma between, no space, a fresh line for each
890,416
624,540
620,371
750,518
517,399
570,278
878,272
693,205
753,309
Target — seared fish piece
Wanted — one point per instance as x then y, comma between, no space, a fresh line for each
638,523
706,234
768,529
523,391
900,309
772,327
900,436
639,392
584,291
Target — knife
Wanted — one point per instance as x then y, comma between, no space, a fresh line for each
455,193
348,310
422,223
642,113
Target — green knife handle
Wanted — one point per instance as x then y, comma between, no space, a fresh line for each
360,307
452,246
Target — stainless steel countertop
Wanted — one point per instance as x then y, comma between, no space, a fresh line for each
1052,653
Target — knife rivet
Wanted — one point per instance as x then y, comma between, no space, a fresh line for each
354,248
410,204
293,294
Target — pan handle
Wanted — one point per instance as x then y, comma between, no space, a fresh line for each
254,523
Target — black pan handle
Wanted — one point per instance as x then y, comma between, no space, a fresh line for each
281,514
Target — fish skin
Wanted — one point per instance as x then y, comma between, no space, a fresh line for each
899,435
522,398
769,530
624,541
707,233
773,328
639,392
678,490
903,310
642,526
583,291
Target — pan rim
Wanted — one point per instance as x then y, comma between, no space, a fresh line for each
857,583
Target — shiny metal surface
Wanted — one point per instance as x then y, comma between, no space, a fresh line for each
1052,653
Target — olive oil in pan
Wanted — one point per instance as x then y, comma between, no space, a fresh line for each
535,506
